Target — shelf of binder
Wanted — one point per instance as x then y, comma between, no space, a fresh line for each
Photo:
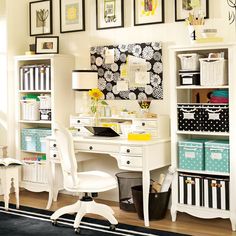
35,78
139,136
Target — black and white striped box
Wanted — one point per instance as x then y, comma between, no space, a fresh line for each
216,193
190,189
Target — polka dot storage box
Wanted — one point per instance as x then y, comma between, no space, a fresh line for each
217,156
215,117
191,154
189,116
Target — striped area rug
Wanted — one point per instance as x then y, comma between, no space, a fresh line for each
32,221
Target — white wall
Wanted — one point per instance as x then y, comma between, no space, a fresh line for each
78,44
17,32
3,75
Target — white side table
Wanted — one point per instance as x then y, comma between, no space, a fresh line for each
9,177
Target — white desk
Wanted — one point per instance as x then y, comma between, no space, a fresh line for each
133,156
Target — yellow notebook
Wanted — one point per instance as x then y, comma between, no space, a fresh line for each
139,136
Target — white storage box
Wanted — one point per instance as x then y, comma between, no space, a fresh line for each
30,109
213,71
45,101
190,61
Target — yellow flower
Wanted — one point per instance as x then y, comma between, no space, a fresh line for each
95,94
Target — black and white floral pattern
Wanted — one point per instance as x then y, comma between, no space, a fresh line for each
109,74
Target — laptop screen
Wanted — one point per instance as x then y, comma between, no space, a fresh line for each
102,131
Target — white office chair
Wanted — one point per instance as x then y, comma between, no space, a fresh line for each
88,182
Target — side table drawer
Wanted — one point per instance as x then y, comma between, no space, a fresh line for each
130,161
130,150
54,155
53,145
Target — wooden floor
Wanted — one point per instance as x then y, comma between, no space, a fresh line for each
184,224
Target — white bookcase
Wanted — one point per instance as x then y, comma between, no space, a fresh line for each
33,175
183,94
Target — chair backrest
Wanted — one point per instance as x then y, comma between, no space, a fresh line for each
65,146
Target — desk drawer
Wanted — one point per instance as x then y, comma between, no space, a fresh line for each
129,150
80,130
130,161
100,148
75,121
145,123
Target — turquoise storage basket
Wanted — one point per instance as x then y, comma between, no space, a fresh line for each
191,154
29,139
217,156
41,139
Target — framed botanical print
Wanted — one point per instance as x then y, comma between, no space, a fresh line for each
72,15
40,17
47,45
184,7
109,14
148,12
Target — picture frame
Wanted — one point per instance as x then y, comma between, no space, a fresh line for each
109,14
148,12
72,16
40,17
47,45
182,9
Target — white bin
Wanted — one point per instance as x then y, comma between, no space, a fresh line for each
189,61
213,71
30,109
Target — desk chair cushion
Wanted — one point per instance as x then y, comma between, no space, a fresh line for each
93,182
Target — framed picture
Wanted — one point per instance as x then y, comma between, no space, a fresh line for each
109,14
47,45
183,8
40,17
72,15
148,12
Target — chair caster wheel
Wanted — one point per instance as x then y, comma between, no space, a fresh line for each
77,230
54,222
112,227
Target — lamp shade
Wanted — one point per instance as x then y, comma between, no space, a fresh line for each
84,80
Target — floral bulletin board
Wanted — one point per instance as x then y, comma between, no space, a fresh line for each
111,74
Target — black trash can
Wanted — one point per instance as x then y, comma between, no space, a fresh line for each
126,180
158,203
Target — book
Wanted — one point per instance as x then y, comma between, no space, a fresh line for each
210,40
9,161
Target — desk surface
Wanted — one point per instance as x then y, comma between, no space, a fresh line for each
115,140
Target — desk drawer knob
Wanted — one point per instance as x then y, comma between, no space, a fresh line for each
143,124
78,121
128,162
128,150
90,148
54,155
78,130
54,145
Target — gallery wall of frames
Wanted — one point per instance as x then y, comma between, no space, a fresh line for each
109,14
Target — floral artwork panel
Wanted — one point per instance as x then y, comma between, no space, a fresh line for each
110,74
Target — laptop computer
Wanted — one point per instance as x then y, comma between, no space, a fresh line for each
102,131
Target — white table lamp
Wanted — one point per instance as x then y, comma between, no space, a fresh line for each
84,80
